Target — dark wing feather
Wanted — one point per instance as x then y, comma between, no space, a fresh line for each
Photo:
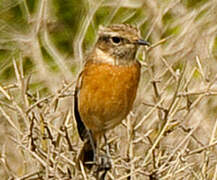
87,153
82,131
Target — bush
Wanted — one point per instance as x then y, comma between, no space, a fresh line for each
171,132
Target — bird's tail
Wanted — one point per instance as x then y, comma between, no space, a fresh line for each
86,155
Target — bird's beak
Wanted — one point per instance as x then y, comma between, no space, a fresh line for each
143,42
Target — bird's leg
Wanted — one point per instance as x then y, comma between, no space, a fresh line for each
104,163
107,161
107,146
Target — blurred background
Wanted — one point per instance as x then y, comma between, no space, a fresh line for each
171,133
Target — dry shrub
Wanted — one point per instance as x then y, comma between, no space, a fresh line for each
170,134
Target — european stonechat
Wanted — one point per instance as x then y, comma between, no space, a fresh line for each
107,86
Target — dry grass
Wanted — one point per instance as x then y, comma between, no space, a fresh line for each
170,134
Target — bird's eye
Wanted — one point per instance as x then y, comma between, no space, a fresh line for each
116,40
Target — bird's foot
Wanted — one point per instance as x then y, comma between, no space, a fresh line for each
103,163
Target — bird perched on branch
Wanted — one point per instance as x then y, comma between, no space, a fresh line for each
107,86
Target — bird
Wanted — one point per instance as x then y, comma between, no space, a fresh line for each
107,86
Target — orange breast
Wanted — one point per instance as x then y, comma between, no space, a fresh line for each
107,94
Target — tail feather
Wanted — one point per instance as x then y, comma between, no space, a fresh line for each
86,155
